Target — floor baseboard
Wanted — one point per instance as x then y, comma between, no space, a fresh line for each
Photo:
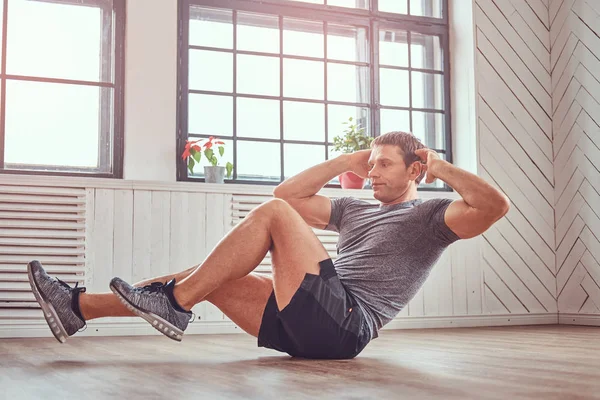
134,327
579,319
469,321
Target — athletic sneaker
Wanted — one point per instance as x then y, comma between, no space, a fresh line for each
156,304
59,301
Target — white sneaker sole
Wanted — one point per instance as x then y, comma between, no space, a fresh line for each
158,323
57,328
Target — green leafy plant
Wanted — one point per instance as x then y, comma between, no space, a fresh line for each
354,138
193,152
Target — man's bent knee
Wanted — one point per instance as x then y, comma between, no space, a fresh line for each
271,208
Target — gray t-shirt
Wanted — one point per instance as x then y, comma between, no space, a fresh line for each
385,253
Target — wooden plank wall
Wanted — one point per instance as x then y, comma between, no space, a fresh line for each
514,95
575,67
140,234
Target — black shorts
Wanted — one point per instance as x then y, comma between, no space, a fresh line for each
322,320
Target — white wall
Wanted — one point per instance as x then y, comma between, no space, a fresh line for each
462,78
150,90
150,135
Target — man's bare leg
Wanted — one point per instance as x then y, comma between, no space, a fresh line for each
99,305
242,300
274,226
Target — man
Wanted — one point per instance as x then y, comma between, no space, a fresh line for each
311,307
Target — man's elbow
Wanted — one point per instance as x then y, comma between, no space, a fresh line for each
503,206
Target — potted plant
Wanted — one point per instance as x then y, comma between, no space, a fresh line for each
354,139
213,173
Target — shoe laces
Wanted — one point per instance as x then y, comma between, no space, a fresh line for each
66,287
154,287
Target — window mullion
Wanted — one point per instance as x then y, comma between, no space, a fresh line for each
106,63
325,27
410,96
234,142
3,83
374,53
281,147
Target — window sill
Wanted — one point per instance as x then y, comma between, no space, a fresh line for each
233,188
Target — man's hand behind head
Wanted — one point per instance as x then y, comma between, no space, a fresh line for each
359,162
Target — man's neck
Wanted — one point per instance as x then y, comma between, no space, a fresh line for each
410,194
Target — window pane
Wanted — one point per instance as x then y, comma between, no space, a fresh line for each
65,130
394,120
330,156
258,118
394,87
303,79
364,4
57,40
393,6
347,43
210,115
258,75
393,48
427,90
339,114
211,27
258,33
429,127
426,8
303,38
227,157
426,52
298,157
303,121
258,160
211,70
348,83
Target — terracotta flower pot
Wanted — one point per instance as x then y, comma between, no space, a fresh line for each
349,180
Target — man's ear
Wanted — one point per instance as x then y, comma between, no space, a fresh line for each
416,169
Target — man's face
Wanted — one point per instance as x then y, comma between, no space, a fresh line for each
389,175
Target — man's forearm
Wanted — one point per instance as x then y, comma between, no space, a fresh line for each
310,181
475,191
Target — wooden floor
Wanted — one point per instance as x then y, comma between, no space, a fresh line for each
549,362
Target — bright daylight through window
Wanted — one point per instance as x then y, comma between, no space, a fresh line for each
61,87
275,80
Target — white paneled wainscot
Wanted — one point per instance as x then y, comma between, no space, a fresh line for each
88,231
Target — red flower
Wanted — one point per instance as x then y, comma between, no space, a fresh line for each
190,144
